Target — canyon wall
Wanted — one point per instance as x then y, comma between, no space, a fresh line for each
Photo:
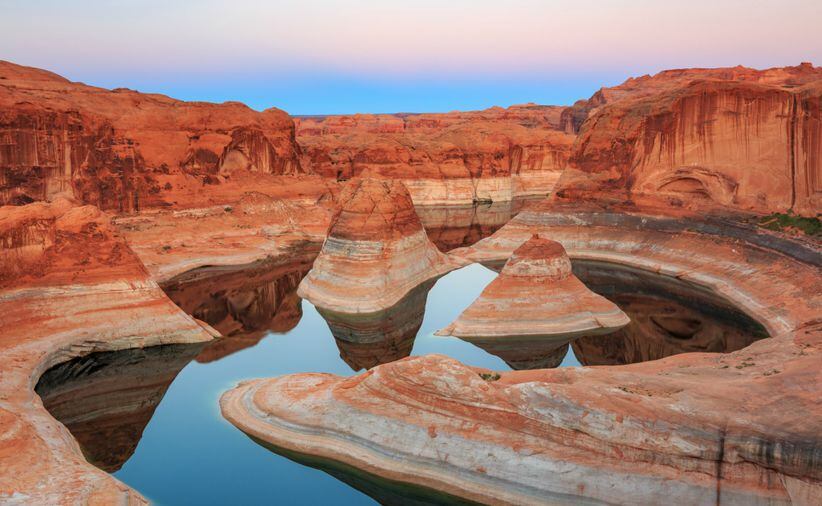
455,158
733,138
124,151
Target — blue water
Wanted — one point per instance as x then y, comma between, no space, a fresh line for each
189,454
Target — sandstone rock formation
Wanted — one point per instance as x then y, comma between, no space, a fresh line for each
453,158
69,285
124,151
375,253
536,294
712,138
695,428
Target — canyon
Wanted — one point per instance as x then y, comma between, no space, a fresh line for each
137,221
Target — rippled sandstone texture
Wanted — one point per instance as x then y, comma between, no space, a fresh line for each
375,253
705,138
124,151
69,286
536,294
698,428
450,158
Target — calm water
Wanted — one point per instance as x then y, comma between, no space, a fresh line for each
151,417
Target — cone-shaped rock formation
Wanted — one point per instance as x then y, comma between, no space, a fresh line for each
375,253
536,294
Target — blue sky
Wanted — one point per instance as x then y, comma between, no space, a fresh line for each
345,56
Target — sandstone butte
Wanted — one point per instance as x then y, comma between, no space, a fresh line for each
537,295
736,428
375,253
451,158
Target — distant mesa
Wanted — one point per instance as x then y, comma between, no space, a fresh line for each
375,253
536,294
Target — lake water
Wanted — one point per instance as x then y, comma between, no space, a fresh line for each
151,417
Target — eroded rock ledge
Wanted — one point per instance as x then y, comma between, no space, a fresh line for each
733,428
69,286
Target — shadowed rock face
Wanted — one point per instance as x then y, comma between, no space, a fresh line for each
536,294
375,253
705,138
457,226
368,340
243,305
107,399
124,151
451,158
668,317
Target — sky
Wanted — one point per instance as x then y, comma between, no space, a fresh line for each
336,56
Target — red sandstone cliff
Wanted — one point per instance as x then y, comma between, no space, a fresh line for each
456,157
734,137
122,150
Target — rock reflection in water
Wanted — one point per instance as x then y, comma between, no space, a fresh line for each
668,317
454,227
243,305
106,399
524,352
371,339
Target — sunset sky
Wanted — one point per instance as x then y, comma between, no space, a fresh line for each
335,56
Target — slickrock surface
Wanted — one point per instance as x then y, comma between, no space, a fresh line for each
704,138
69,285
698,428
375,253
124,151
452,158
238,234
536,294
371,339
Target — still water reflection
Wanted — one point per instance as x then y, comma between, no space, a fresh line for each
151,416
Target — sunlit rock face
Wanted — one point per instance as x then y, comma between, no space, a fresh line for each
706,138
124,151
536,294
375,253
369,339
667,318
61,243
243,305
452,158
107,399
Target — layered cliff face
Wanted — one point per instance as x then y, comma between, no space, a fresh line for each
709,138
124,151
452,158
375,253
537,295
61,243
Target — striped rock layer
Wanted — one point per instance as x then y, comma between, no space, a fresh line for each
536,294
375,253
